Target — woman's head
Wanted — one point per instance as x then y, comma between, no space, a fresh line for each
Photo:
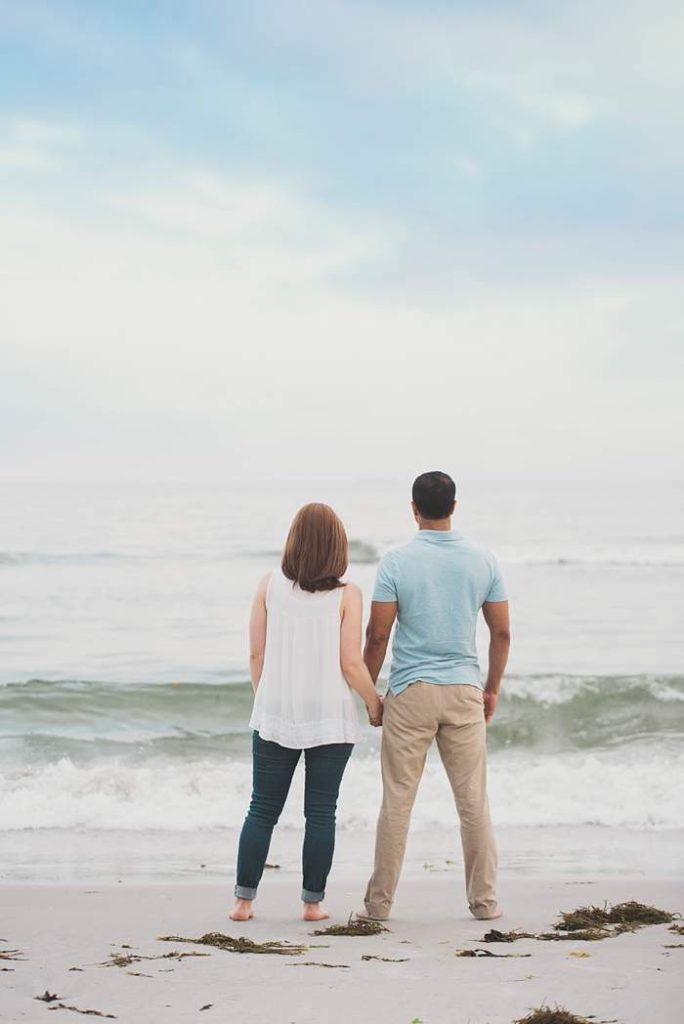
316,551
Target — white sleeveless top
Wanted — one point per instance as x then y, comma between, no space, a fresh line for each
303,700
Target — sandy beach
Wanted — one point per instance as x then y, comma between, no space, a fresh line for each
67,932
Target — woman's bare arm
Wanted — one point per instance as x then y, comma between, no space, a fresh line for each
257,633
351,659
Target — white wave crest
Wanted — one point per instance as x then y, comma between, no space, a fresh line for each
634,789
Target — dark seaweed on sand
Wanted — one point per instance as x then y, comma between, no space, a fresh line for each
557,1015
316,963
240,945
592,924
51,997
481,953
126,959
621,917
386,959
494,935
354,926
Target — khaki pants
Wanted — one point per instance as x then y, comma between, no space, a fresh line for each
454,716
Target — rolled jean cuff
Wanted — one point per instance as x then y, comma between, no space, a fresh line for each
243,892
312,897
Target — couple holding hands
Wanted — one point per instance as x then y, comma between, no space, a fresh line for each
306,658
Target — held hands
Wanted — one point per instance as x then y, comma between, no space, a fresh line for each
375,712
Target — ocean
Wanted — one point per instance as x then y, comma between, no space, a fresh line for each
124,698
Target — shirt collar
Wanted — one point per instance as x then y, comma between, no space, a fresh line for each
439,536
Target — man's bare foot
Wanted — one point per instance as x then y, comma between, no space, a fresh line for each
313,912
242,911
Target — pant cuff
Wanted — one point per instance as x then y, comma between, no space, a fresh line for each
484,912
243,892
308,896
375,914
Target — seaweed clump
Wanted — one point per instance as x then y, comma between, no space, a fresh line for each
496,936
547,1015
354,926
592,924
240,945
480,953
620,918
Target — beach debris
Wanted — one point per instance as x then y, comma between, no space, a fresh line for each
207,1006
557,1015
386,959
126,959
52,997
354,926
11,954
494,935
581,954
75,968
592,924
480,953
77,1009
273,867
620,917
316,963
676,945
678,929
585,935
240,945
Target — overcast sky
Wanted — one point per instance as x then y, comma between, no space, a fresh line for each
337,239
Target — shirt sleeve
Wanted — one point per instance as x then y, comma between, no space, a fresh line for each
497,588
385,581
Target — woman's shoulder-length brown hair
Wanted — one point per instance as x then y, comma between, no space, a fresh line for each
316,551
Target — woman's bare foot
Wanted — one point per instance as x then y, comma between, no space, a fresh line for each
242,911
313,912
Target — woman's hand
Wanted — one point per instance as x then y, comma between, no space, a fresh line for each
375,713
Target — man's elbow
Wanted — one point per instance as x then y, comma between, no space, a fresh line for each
501,637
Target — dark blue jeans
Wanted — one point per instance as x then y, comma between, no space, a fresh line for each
272,770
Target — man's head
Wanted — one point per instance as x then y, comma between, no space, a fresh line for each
434,498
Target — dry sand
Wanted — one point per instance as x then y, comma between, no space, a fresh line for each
632,978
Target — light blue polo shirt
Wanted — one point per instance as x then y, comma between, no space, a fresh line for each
439,581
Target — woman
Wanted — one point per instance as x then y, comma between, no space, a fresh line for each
305,654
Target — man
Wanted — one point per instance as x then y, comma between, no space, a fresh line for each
435,587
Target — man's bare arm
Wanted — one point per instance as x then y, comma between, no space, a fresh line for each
496,616
378,631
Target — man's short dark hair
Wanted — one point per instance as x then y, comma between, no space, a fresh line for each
434,495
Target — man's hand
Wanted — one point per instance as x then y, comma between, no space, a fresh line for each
490,701
375,713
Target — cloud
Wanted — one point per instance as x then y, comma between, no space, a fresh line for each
534,70
262,228
172,339
35,145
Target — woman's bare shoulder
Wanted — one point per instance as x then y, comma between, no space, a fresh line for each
263,585
352,594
